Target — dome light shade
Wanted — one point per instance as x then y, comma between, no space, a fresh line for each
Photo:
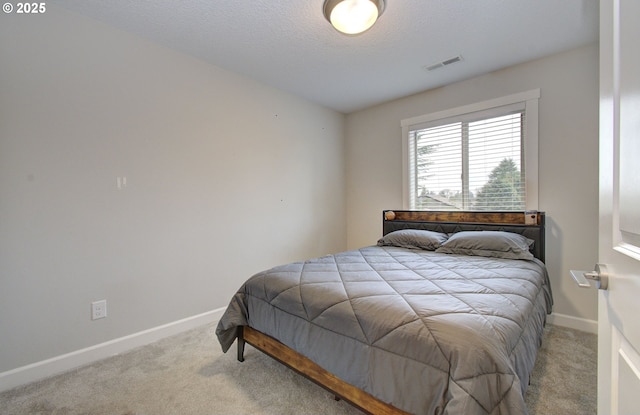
353,16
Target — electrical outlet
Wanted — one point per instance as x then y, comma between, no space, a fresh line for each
98,309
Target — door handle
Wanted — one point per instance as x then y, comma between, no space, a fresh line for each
600,276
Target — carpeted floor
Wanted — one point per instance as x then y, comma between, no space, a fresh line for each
187,374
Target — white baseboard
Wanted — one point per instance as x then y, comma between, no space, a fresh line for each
582,324
63,363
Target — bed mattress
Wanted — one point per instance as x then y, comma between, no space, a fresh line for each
427,332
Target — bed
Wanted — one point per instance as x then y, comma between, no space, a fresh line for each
444,315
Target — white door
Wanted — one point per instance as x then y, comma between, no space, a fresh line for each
619,233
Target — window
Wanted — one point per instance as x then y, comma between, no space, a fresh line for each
478,157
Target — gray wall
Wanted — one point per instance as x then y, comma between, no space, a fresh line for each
568,160
224,178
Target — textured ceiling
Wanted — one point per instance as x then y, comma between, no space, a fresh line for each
289,45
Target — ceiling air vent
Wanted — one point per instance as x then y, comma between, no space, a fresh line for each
443,63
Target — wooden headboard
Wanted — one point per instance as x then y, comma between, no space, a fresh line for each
528,224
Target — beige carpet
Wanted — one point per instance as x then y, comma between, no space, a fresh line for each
188,375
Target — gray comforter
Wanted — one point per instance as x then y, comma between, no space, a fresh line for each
428,333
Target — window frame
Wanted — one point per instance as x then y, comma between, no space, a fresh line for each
528,99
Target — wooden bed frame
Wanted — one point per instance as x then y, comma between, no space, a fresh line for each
519,222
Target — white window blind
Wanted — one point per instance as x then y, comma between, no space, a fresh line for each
470,161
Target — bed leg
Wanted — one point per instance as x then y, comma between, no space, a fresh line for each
240,345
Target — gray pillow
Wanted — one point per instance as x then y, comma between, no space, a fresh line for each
495,244
413,239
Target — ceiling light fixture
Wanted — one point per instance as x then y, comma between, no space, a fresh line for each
353,16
